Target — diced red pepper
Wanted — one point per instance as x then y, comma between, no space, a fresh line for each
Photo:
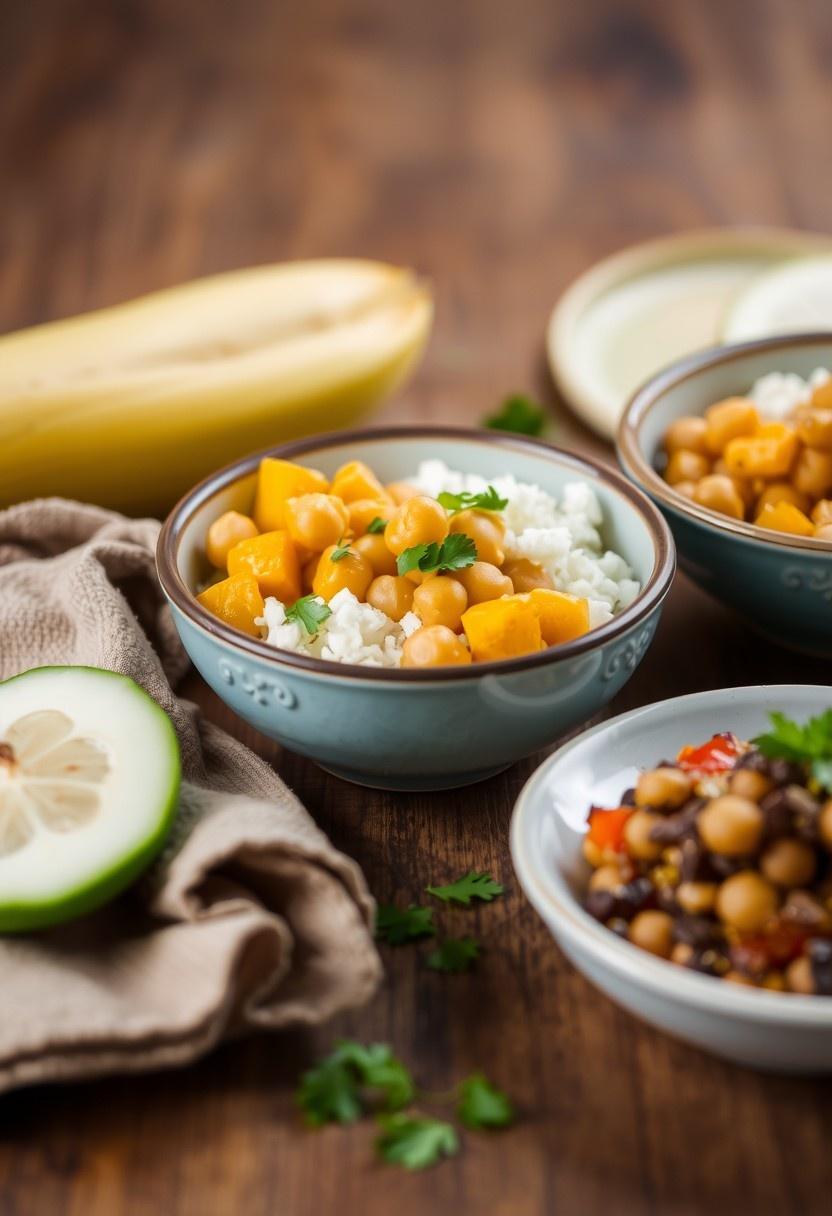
760,952
606,827
716,756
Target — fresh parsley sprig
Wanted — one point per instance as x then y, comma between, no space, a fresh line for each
454,955
352,1077
340,550
487,500
376,525
810,744
470,886
415,1141
481,1104
399,925
455,553
518,414
310,612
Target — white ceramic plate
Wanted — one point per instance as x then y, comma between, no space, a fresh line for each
639,310
764,1029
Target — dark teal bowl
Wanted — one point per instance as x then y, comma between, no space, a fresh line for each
782,585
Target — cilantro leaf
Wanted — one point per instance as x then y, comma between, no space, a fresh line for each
810,744
469,886
399,925
332,1092
488,500
454,955
310,612
518,414
415,1141
376,525
340,550
481,1104
455,553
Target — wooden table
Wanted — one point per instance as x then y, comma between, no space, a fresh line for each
500,148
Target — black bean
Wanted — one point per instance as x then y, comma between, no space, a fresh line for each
624,901
709,961
819,950
801,908
723,867
628,798
754,760
618,926
696,931
675,827
777,815
697,863
785,772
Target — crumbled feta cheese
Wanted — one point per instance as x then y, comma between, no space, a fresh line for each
778,393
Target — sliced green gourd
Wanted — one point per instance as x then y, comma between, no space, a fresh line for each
89,784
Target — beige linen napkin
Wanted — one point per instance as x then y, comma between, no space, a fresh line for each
251,919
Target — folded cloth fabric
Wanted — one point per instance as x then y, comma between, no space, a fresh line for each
250,919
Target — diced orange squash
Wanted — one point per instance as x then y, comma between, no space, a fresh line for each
562,617
769,452
236,600
278,480
727,420
351,571
226,532
273,560
356,480
785,517
822,396
815,428
364,510
812,473
502,629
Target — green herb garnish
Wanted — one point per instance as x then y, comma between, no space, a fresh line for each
415,1141
399,925
376,525
340,550
488,500
454,955
335,1090
310,612
469,886
810,744
481,1104
518,414
455,553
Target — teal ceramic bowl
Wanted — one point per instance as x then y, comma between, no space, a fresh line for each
782,585
417,730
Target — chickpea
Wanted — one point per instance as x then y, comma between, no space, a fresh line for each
418,521
746,901
686,466
823,532
373,546
681,954
363,511
593,853
605,878
525,575
486,530
652,931
774,981
686,488
729,419
815,428
440,601
226,532
637,831
788,863
782,491
391,594
483,581
746,489
687,434
400,491
718,493
351,571
434,646
822,512
799,976
812,473
825,823
696,898
745,783
315,520
730,825
665,787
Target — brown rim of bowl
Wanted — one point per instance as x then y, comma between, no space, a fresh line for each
650,596
644,399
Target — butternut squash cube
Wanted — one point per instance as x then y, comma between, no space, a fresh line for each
272,559
769,452
502,629
278,480
785,517
562,617
236,600
355,480
815,429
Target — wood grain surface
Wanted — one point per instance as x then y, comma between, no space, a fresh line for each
500,148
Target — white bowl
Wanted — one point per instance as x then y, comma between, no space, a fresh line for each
770,1030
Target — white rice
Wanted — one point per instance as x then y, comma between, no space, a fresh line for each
564,537
778,393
